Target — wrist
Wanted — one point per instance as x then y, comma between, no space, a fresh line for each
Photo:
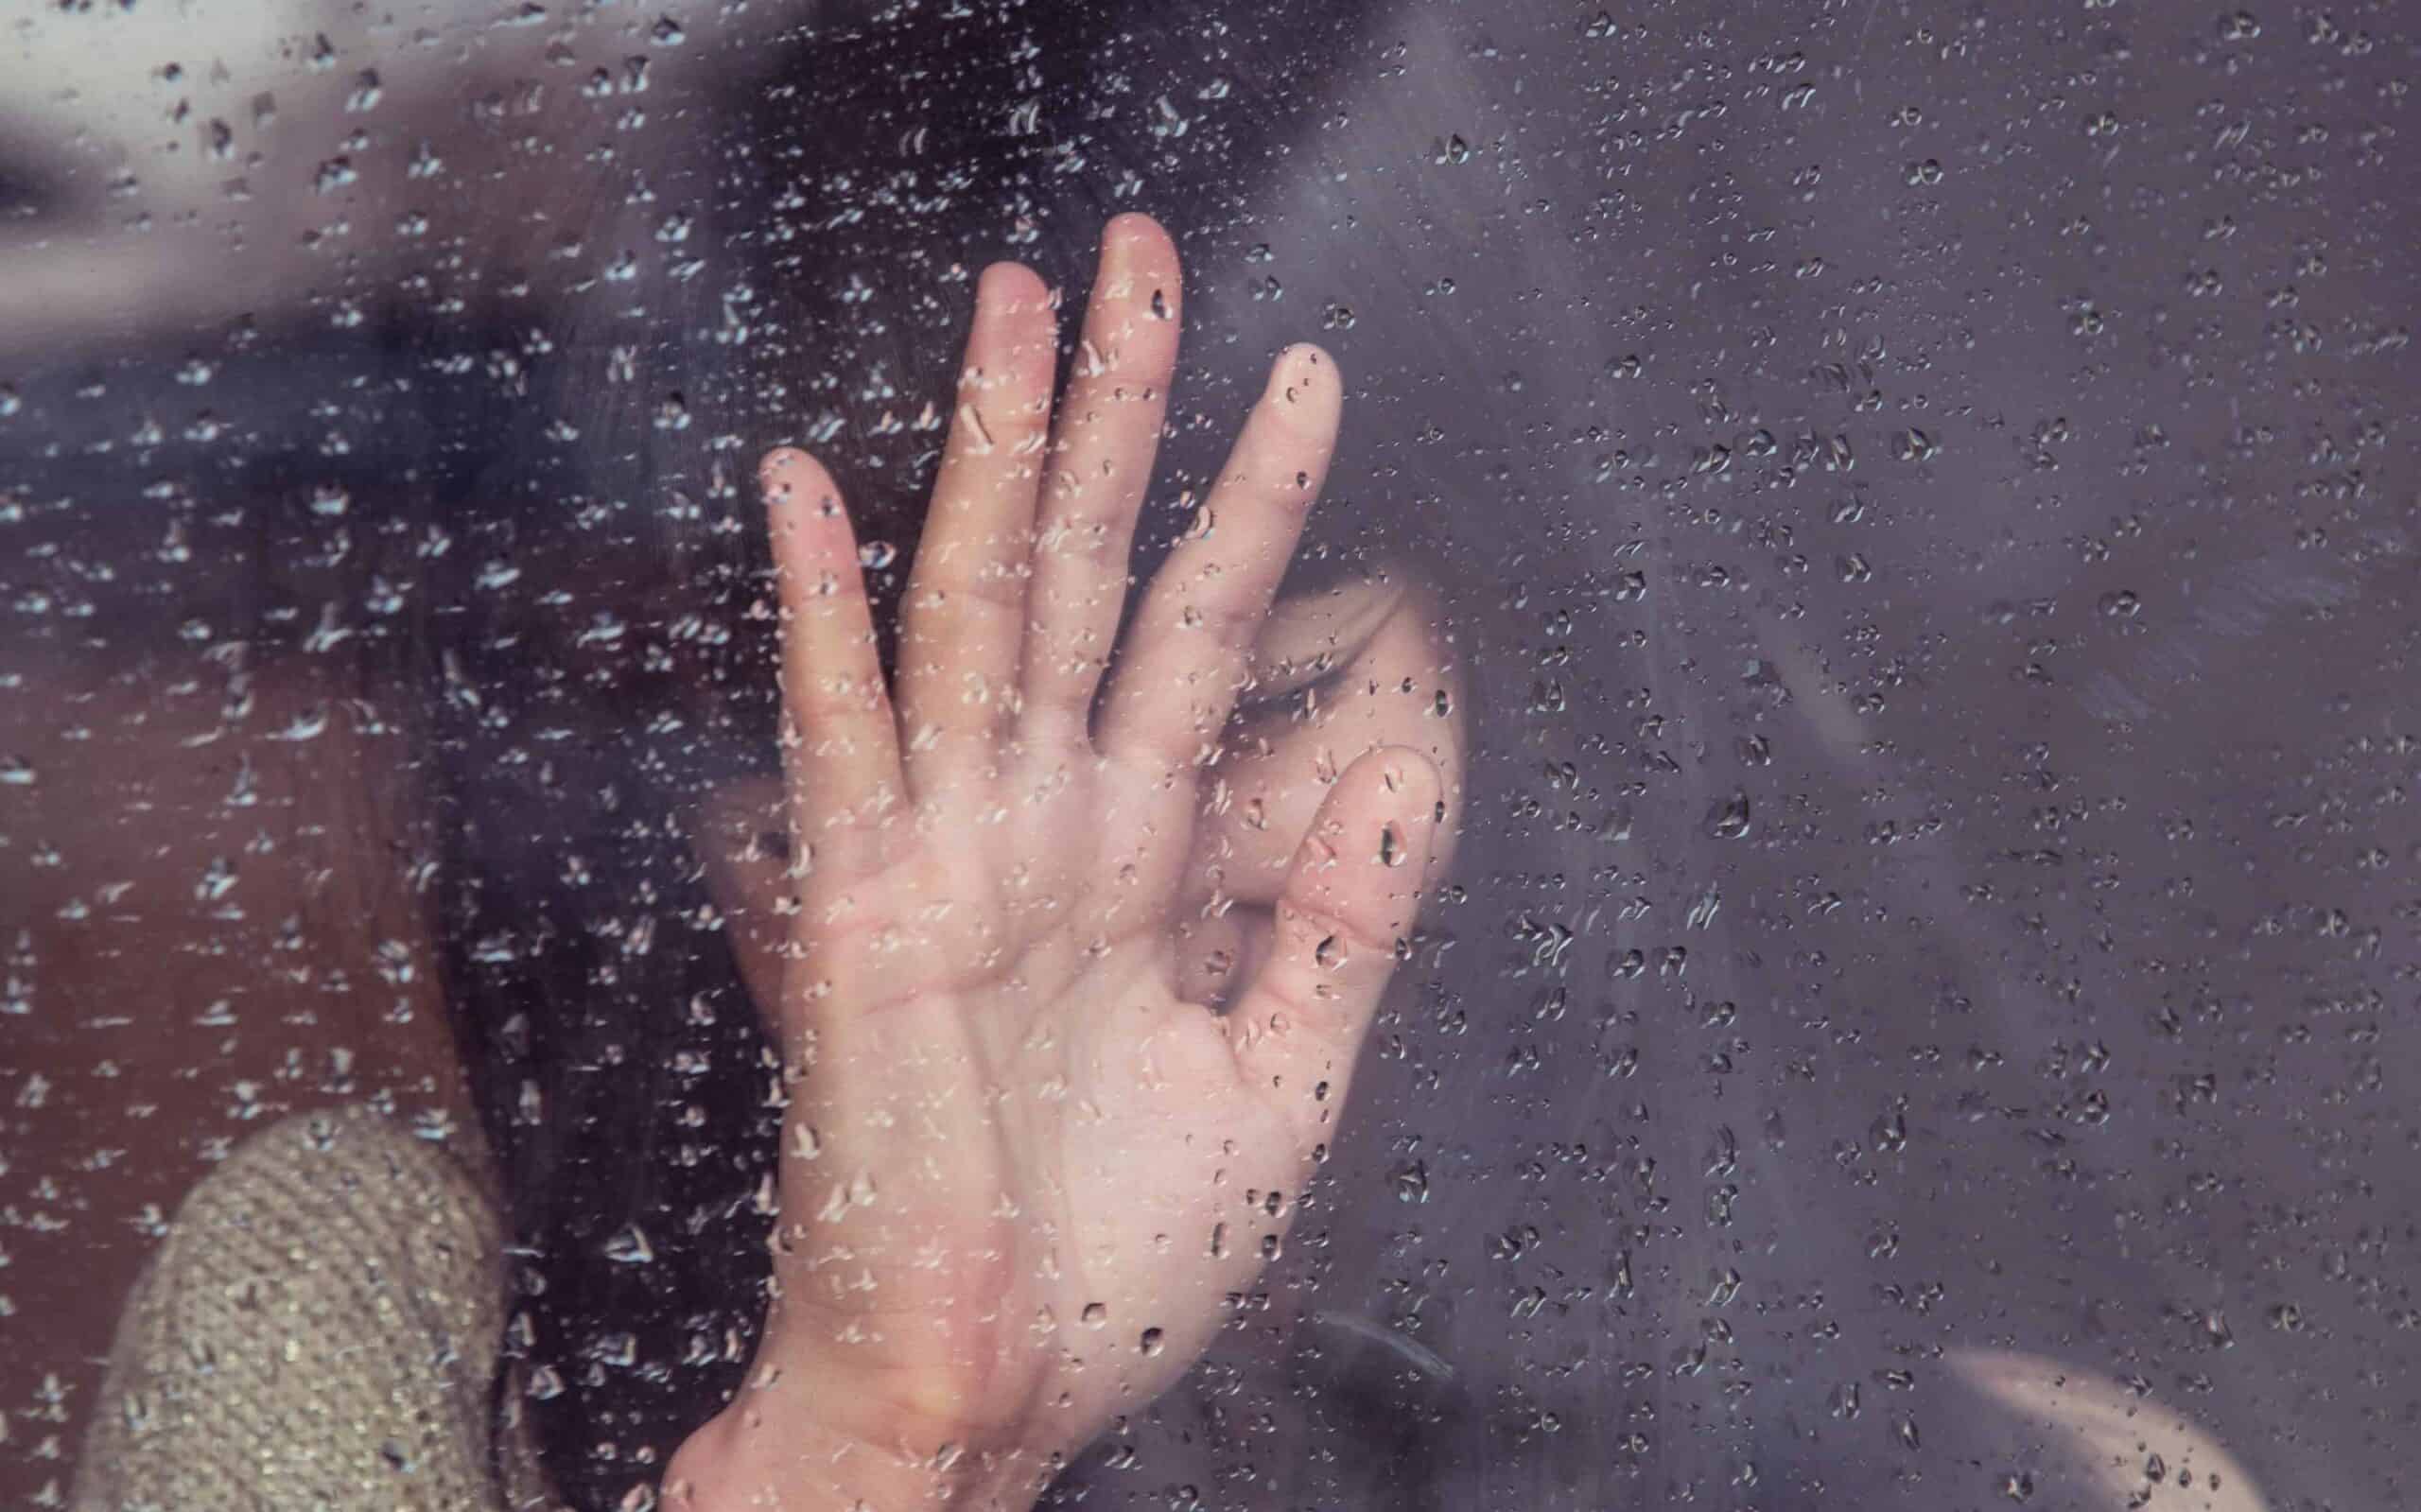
743,1461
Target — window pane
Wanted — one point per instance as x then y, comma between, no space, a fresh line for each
1893,524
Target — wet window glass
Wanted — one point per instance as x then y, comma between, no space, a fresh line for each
1397,755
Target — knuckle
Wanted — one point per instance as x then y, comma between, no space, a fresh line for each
1351,944
840,698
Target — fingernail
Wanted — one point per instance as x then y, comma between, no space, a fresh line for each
776,473
1005,287
1117,255
1123,270
1304,378
1414,779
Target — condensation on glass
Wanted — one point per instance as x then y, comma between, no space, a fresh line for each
1923,493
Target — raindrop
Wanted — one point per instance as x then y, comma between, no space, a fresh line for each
1728,819
1890,1133
1702,911
630,1246
1914,446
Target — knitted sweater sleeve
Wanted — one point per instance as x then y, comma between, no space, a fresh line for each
318,1330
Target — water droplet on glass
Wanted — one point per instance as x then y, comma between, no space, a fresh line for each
1728,819
630,1246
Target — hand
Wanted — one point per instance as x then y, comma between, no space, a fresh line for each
1336,673
1023,1163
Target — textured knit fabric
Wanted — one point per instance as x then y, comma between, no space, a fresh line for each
320,1331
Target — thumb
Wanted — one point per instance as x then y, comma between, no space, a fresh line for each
1342,921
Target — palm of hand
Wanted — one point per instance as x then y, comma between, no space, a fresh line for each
1034,1170
1022,1169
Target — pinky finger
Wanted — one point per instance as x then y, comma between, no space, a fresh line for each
1350,899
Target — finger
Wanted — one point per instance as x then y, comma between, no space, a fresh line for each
1101,463
1194,636
1350,901
1401,686
963,620
840,739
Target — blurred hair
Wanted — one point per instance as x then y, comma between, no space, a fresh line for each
534,523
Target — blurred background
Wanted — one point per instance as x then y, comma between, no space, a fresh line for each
1926,492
